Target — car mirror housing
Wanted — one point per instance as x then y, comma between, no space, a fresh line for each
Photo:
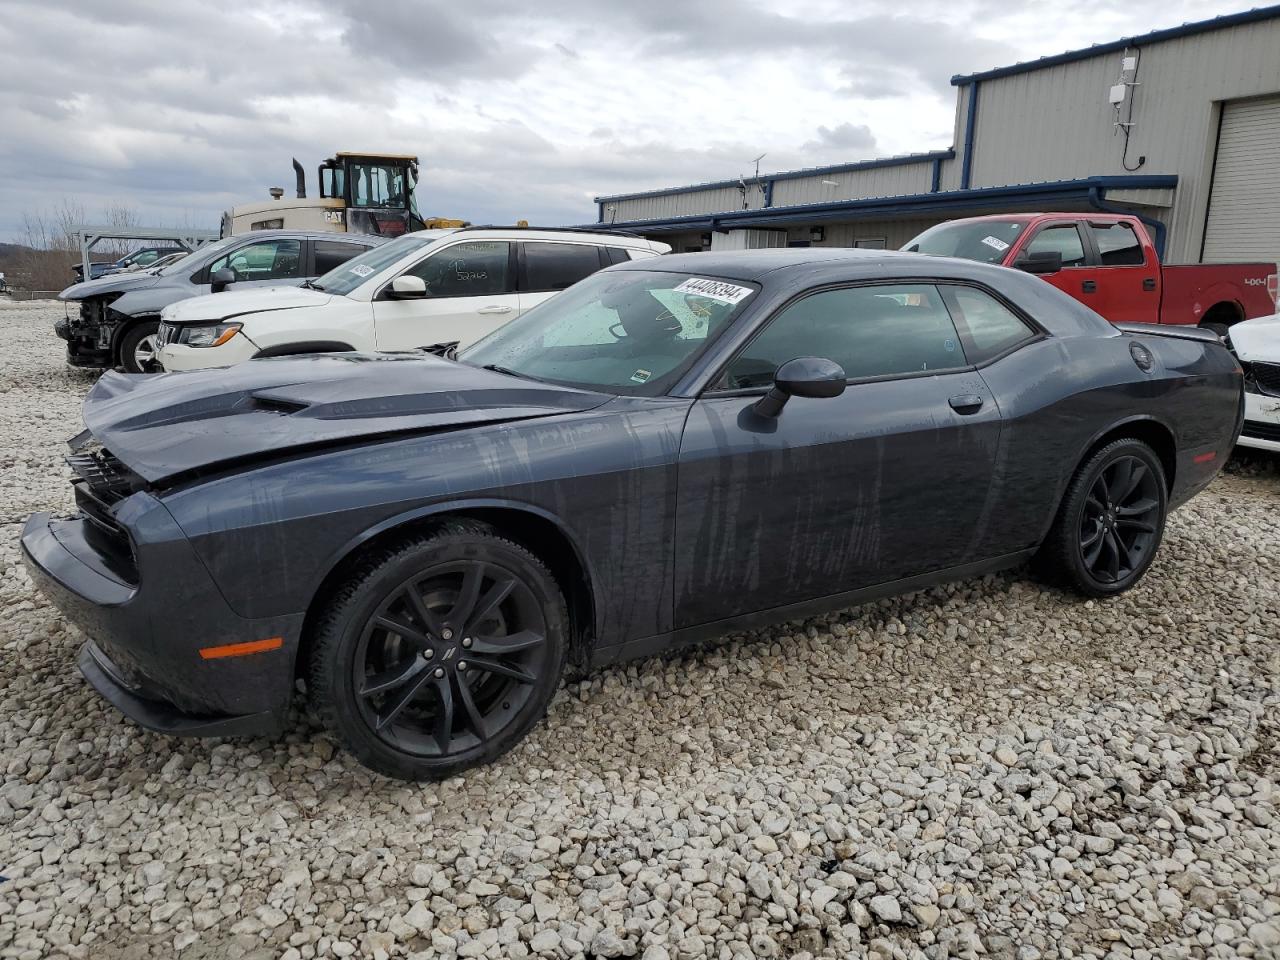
1042,261
407,288
813,377
221,279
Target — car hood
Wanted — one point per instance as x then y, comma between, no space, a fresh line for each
237,303
1257,339
166,424
113,283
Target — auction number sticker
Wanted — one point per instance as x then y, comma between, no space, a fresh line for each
362,269
995,243
716,290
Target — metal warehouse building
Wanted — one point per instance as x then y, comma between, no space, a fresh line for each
1180,127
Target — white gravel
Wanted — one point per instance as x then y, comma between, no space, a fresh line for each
992,769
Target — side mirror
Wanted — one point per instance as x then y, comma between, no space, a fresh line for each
802,377
221,279
1042,261
407,288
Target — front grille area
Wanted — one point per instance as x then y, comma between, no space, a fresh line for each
1265,375
101,482
1256,430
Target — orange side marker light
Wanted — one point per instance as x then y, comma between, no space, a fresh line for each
241,649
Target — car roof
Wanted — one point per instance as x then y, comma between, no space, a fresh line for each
568,234
756,264
373,238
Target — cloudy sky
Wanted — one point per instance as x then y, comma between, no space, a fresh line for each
516,109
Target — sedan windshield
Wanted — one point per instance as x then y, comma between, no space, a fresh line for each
986,241
345,277
621,331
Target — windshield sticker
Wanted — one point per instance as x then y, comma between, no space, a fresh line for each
641,376
714,290
996,243
362,269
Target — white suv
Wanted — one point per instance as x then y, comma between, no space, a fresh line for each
422,289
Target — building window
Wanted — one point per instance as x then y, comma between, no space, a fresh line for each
871,243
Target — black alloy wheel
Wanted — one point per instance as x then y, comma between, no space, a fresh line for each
442,654
1110,522
1119,522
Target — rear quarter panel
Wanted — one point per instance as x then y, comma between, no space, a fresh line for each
1060,396
1191,290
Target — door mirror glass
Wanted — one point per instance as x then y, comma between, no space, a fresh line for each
1040,261
813,377
219,280
407,288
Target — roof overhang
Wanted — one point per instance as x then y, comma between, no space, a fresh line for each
1035,195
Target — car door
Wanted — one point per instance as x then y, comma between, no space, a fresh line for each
1078,276
1128,275
470,291
547,267
889,480
260,263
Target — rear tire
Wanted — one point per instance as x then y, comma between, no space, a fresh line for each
479,654
1110,522
138,348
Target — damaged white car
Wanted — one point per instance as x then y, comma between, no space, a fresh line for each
1257,346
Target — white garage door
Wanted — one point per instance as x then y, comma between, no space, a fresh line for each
1244,206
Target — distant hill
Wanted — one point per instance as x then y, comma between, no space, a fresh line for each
8,250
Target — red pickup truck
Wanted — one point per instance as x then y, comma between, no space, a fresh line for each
1108,262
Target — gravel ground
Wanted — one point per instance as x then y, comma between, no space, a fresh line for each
988,769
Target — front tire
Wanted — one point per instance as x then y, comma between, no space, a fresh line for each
139,348
1110,522
440,653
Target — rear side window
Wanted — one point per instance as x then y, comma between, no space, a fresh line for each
555,266
1063,239
329,254
989,327
617,254
1118,245
870,331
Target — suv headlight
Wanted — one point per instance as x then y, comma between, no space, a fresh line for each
214,335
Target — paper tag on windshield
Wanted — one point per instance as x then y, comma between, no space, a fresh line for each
362,269
996,243
714,290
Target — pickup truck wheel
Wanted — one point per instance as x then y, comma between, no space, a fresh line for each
1110,522
441,653
139,346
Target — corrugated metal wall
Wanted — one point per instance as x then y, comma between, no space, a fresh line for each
669,205
1057,124
896,181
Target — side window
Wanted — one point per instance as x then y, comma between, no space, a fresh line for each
478,268
870,331
617,255
990,327
265,260
1064,239
328,254
555,266
1118,245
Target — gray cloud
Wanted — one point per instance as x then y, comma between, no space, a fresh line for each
857,140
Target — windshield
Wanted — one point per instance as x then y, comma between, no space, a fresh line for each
201,256
377,185
345,277
984,240
627,331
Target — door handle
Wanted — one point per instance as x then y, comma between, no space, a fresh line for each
1149,283
1089,286
966,403
494,309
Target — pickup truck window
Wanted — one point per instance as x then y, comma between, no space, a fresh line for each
986,241
1060,238
1118,245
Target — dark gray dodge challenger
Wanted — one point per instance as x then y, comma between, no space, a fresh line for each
669,450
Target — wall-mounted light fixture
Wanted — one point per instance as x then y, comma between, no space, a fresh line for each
817,234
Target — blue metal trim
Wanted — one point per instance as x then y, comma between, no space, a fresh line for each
1022,194
936,185
791,174
1158,230
768,193
1113,46
970,122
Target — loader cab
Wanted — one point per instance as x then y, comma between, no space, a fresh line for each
376,190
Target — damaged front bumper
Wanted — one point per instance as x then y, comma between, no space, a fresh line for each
153,614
